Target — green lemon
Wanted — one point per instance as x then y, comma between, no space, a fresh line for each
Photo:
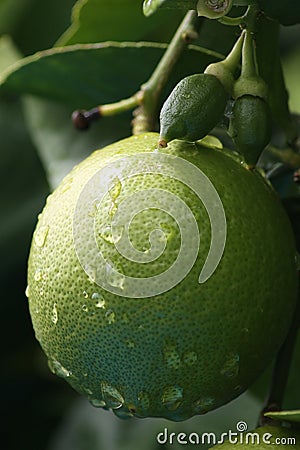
161,282
193,108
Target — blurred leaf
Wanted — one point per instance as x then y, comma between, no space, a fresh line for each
19,200
87,75
41,24
11,12
60,146
34,24
8,53
291,68
287,416
151,6
210,33
102,20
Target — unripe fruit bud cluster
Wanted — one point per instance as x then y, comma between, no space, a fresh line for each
198,102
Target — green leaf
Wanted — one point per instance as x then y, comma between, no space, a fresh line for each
291,72
8,53
20,201
286,416
87,75
117,20
23,185
59,144
11,13
151,6
34,24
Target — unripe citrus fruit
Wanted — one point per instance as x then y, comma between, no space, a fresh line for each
127,306
193,108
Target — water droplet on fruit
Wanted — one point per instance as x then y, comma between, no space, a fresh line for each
189,358
57,368
171,357
100,300
113,209
117,232
92,273
110,316
97,403
111,396
85,308
27,291
38,275
41,235
54,317
172,397
114,278
231,366
94,210
115,189
106,234
144,400
203,405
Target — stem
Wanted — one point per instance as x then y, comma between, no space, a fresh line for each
82,119
282,368
120,106
232,60
248,65
145,116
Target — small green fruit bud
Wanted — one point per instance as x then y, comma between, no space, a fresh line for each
250,126
194,107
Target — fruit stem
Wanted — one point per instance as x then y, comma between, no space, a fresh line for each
146,115
249,69
232,60
281,368
82,119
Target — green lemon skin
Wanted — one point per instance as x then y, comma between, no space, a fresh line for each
193,347
193,109
250,126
